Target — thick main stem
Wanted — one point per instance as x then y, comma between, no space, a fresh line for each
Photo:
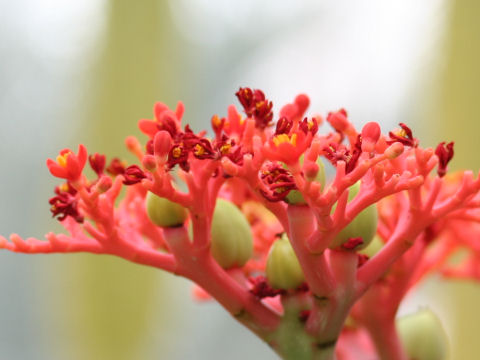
317,273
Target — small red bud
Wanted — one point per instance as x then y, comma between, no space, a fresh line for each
149,162
394,150
162,144
370,135
338,120
132,144
302,101
103,184
310,169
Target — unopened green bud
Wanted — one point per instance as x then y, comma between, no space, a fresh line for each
295,197
232,241
364,225
163,212
283,269
423,336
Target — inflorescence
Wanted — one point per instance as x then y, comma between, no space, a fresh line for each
251,218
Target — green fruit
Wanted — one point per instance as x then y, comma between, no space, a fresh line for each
295,197
364,225
283,269
163,212
423,336
232,241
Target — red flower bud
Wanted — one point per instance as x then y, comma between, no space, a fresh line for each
133,175
162,144
97,163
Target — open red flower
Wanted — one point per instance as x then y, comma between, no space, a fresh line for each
65,203
68,165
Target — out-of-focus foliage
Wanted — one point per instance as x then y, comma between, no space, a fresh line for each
114,307
455,115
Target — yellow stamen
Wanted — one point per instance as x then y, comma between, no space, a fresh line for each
199,150
216,121
177,152
64,187
225,148
284,138
62,159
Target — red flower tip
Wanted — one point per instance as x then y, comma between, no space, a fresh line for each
256,105
394,150
179,110
65,203
309,126
68,165
370,135
149,147
404,136
158,109
217,124
278,181
338,120
302,101
310,170
284,126
133,175
97,163
103,184
149,162
167,121
162,144
338,152
116,167
245,96
178,154
203,149
444,154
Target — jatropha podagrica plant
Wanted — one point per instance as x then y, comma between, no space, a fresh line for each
315,267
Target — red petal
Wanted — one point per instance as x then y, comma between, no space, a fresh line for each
56,170
148,127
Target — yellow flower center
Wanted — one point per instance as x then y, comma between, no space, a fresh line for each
225,148
64,187
177,152
62,159
284,138
216,121
199,150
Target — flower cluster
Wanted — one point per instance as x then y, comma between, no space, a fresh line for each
250,217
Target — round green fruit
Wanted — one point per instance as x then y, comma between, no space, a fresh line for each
283,269
163,212
364,225
232,241
423,336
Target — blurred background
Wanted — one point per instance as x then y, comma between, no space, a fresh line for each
86,71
